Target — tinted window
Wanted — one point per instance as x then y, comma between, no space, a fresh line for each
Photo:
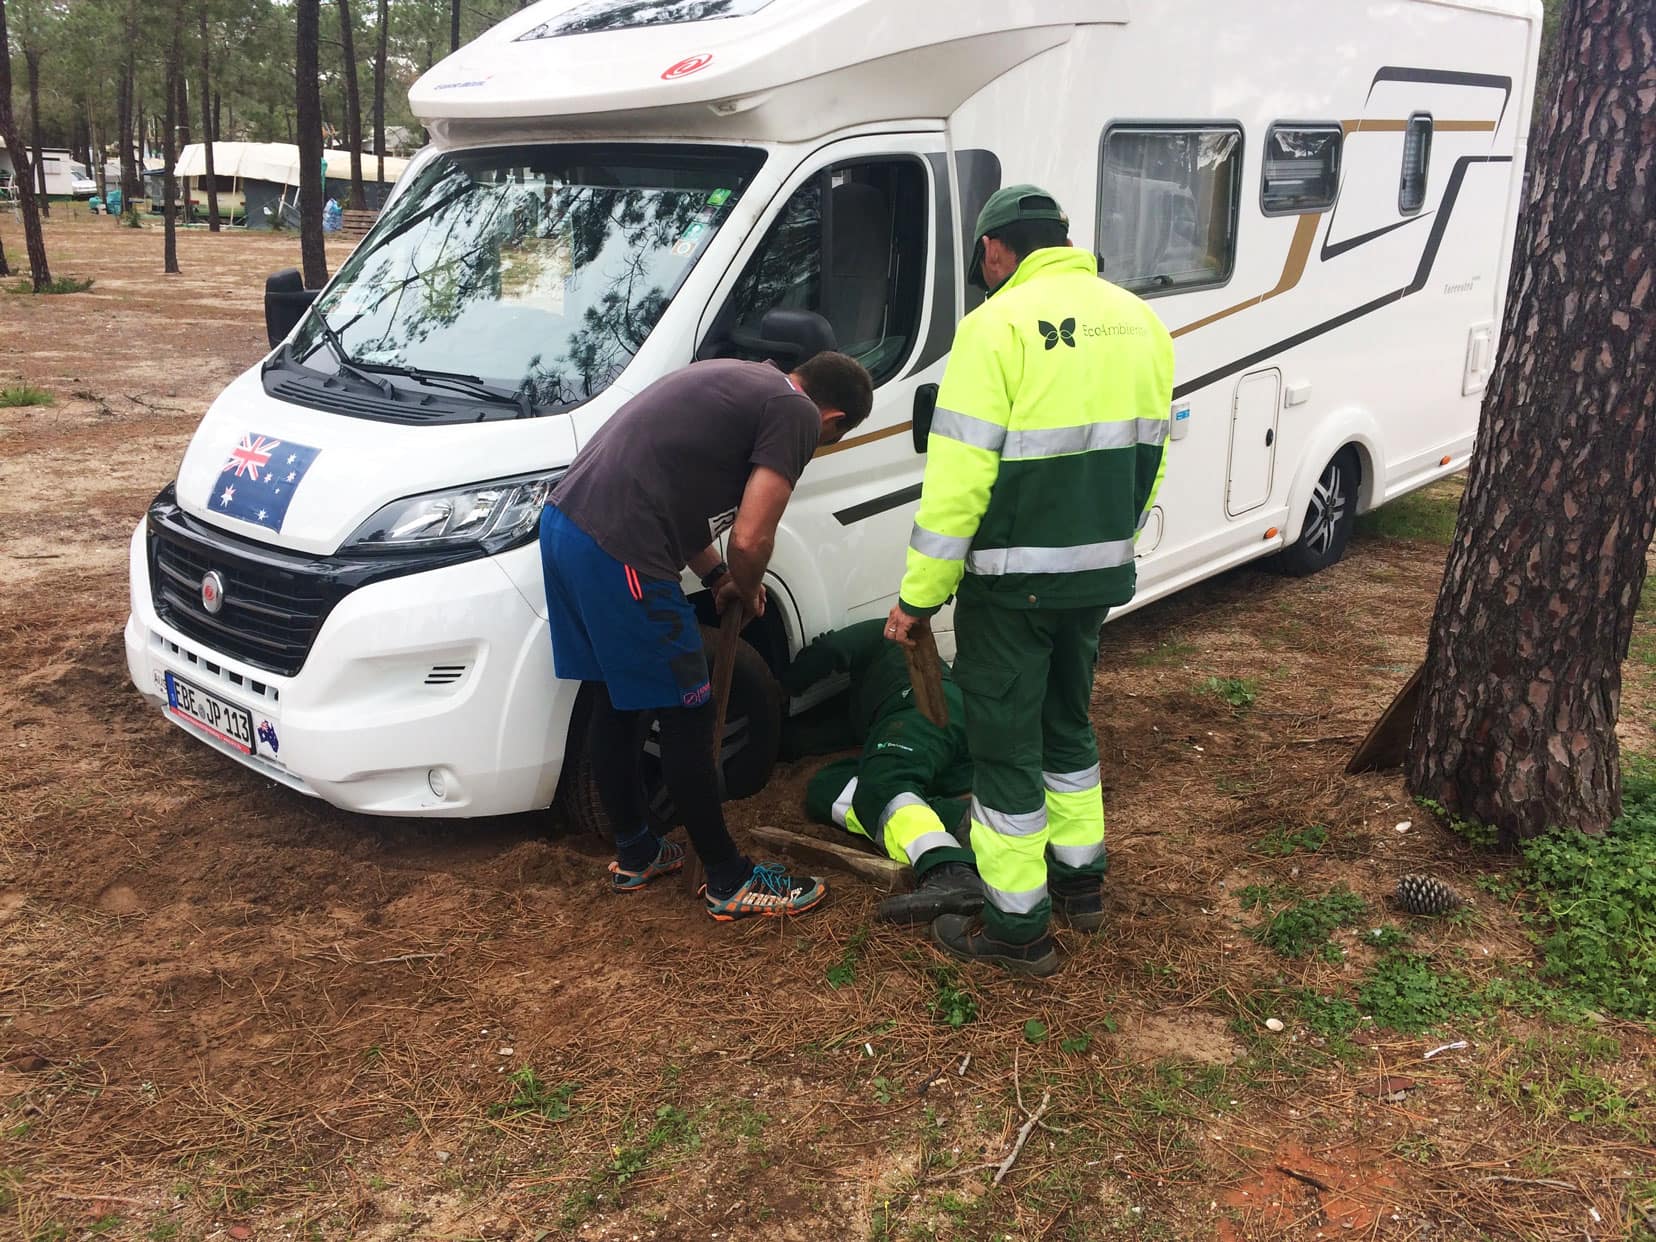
599,15
851,246
541,269
1167,205
1417,161
1302,169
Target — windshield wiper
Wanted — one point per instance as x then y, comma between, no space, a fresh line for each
472,385
349,365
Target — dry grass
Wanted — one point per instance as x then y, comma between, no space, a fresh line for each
223,1005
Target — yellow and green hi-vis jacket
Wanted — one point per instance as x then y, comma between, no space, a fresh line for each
1047,447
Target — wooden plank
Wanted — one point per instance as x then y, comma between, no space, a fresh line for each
925,668
883,873
1387,744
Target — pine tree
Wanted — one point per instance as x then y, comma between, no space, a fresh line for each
1519,696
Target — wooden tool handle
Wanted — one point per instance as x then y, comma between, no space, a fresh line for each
925,669
724,665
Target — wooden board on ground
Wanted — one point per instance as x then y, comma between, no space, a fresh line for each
1387,744
882,873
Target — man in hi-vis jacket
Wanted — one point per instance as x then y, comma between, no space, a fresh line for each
1043,462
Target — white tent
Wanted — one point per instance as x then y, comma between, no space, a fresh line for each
276,162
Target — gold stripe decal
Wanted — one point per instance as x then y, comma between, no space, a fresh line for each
1293,267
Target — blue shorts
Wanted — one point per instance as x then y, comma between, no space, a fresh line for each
639,636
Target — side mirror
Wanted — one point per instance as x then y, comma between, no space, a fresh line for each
789,336
286,301
925,405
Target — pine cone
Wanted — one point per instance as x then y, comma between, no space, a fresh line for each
1424,894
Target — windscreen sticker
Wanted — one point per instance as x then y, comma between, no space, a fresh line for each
257,481
535,272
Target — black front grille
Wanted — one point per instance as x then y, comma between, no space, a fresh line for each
274,602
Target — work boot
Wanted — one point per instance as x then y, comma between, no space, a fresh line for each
1080,902
964,936
948,888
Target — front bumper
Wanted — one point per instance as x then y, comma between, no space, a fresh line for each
425,695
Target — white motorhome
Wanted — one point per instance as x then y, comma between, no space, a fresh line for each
343,591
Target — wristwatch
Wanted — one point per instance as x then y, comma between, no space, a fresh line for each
711,578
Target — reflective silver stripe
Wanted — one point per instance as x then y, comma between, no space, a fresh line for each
1022,824
1077,855
929,841
942,547
897,804
1086,438
1016,903
842,804
1072,782
992,562
963,428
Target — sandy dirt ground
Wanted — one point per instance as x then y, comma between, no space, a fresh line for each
227,1011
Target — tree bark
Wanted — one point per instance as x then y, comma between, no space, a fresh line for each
308,102
208,136
353,104
123,108
169,145
1522,684
5,268
454,25
34,240
380,57
31,58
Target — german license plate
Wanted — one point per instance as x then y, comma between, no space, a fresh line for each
210,713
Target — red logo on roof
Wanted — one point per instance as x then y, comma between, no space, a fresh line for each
686,67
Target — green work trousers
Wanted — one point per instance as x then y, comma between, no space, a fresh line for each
902,792
1027,678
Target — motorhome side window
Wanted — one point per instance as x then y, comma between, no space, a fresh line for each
1417,161
850,245
1167,205
1301,170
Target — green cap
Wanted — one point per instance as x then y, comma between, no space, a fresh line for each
1007,206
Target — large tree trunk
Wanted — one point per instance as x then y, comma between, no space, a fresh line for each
169,145
353,104
454,25
1517,720
312,251
34,240
208,136
31,58
380,57
5,268
123,123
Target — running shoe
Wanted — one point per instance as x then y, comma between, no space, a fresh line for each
669,858
769,893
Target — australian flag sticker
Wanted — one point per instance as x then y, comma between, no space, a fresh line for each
257,483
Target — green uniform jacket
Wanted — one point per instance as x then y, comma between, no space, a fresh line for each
1047,447
879,674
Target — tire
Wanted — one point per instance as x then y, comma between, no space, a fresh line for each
753,737
1328,519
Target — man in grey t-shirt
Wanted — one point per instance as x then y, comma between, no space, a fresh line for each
717,446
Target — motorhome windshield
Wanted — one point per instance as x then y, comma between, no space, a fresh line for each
534,271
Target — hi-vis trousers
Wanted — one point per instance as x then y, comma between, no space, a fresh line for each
898,792
1037,805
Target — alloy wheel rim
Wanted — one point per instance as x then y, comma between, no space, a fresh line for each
1328,506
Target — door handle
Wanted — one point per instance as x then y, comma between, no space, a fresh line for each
1270,436
925,405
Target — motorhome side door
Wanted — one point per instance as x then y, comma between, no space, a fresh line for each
854,237
1253,440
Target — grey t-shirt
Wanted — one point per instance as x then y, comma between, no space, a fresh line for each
665,474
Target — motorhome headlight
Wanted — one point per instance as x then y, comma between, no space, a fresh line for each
498,514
